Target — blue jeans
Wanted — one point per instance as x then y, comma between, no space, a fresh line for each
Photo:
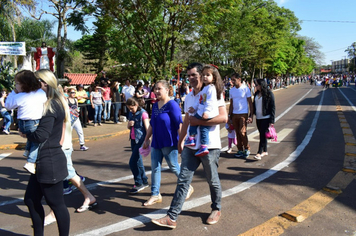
188,166
204,131
171,156
27,127
7,120
97,114
107,108
136,164
117,107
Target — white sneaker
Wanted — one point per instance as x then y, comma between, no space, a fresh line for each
264,154
229,150
30,167
258,157
190,192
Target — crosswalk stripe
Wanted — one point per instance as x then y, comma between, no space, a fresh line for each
4,155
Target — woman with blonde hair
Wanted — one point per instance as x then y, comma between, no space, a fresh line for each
51,166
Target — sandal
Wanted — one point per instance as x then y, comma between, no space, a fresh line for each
48,222
258,156
87,207
153,200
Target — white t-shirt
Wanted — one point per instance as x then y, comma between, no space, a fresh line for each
232,134
214,132
96,98
128,91
239,98
29,105
208,102
258,103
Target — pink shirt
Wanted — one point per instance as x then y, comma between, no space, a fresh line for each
106,93
144,117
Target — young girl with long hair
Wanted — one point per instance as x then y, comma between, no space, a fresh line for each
138,125
264,107
207,107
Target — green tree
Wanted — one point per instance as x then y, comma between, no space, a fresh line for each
152,28
10,14
61,10
351,52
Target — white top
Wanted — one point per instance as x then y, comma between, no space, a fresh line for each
2,100
231,134
128,91
29,105
96,97
67,141
214,132
239,98
208,102
258,103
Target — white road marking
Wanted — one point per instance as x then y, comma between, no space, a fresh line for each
3,155
146,218
351,104
280,136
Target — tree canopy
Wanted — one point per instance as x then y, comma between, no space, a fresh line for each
151,37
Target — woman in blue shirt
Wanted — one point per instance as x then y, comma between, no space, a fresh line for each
164,128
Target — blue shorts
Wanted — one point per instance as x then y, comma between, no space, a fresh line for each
71,170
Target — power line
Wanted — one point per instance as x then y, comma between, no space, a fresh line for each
337,50
334,21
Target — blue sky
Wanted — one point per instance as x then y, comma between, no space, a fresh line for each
333,36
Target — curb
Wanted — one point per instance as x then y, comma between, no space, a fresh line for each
20,146
98,137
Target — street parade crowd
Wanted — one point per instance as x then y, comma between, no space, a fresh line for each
165,118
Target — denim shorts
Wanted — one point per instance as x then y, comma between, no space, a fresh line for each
71,170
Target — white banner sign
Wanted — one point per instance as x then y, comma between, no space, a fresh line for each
13,48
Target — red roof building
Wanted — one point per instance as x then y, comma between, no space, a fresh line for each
85,79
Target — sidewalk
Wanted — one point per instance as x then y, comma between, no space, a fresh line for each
108,129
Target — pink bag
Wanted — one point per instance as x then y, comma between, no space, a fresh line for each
271,133
145,152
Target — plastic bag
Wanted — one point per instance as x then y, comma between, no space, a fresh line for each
145,152
271,133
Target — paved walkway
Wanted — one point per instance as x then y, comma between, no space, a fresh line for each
108,129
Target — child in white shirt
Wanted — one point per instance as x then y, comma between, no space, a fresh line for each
28,98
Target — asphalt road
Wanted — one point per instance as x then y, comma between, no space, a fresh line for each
316,130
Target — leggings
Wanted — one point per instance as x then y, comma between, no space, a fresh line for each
262,126
53,194
232,141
